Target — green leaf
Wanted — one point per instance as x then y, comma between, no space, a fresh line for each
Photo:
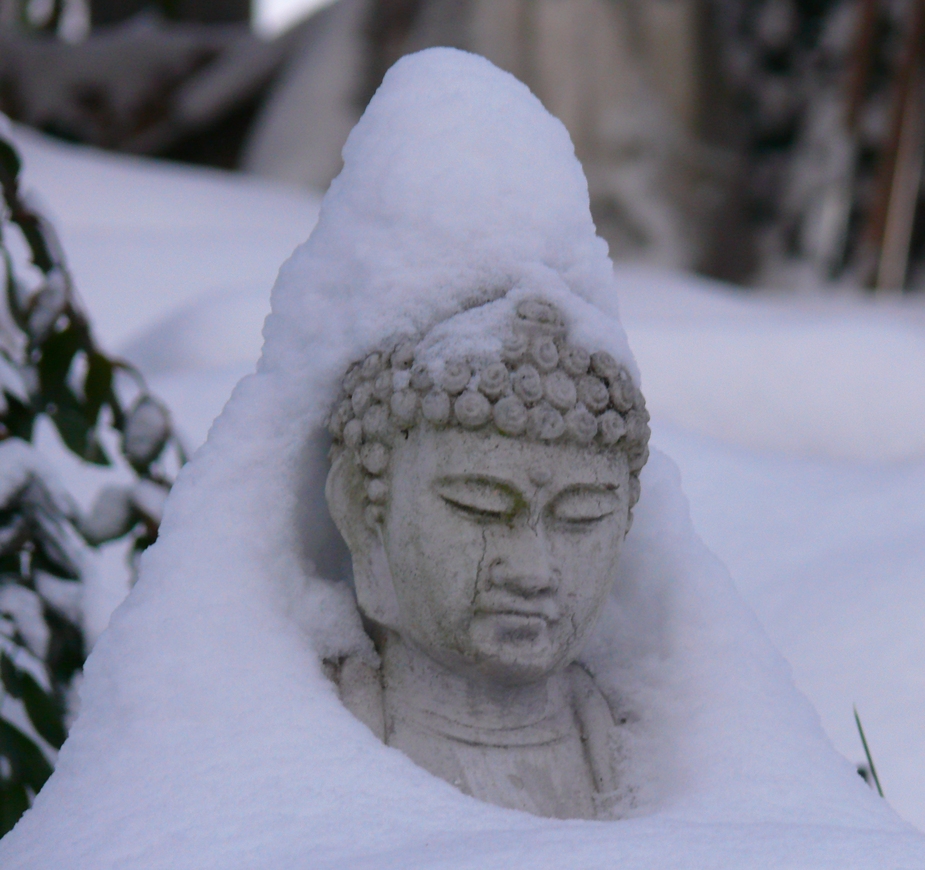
75,419
57,355
10,163
12,297
10,561
19,419
29,764
14,801
74,429
9,674
66,653
97,384
45,711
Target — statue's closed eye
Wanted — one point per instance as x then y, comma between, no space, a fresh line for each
584,505
481,498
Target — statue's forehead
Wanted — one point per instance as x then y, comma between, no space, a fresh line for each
521,462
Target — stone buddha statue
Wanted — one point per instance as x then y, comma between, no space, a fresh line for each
485,503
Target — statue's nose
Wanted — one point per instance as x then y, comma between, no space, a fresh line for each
525,568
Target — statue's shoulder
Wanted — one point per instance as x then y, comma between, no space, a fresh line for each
359,684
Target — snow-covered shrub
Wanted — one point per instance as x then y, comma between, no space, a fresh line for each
51,367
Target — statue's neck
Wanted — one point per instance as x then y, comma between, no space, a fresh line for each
467,706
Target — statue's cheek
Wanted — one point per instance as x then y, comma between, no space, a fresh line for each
587,563
435,576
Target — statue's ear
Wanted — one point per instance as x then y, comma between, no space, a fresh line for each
346,497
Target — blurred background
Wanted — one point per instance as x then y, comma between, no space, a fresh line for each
755,166
767,142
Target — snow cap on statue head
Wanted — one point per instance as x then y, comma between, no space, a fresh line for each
458,187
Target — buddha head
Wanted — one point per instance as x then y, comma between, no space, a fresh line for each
485,505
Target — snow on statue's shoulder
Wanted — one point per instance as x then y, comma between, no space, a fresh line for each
451,326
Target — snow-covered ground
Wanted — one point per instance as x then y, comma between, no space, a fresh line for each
798,422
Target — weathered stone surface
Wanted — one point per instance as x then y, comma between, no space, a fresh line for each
485,537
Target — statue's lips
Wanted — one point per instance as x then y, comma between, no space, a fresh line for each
540,612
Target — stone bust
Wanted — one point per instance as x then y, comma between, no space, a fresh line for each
485,510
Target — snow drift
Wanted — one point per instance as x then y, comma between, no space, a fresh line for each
208,736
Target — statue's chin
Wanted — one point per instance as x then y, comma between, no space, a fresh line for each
515,647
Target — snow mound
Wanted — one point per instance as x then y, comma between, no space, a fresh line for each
144,236
208,735
842,381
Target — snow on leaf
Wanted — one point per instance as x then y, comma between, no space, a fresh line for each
21,656
64,596
110,517
47,306
24,607
59,543
149,497
16,467
11,379
146,431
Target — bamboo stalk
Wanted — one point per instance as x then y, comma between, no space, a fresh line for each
904,191
897,167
